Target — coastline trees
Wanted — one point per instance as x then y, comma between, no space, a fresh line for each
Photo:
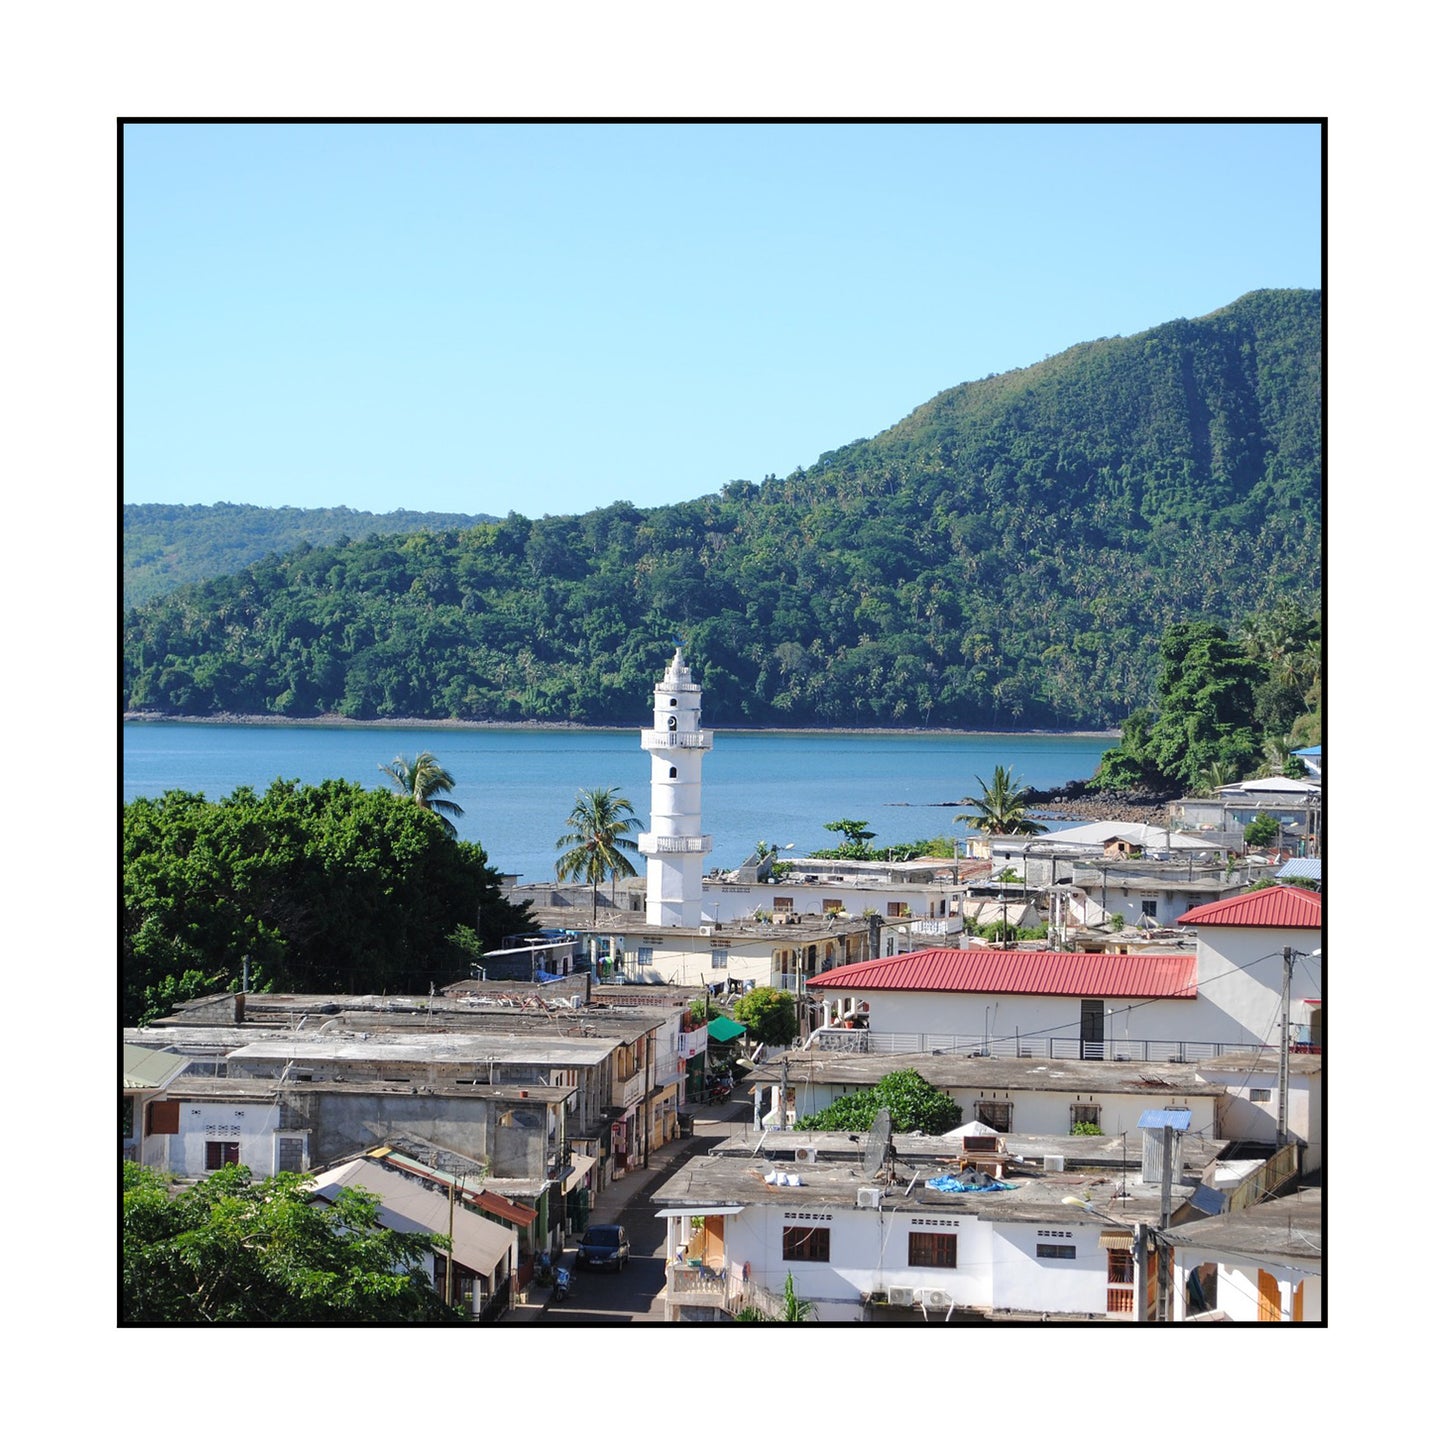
999,807
423,780
324,888
596,844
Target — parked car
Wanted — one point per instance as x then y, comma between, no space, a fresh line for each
604,1246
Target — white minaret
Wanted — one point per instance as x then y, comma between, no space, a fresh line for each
676,846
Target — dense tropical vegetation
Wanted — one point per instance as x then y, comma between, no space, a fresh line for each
233,1250
1009,555
315,889
164,546
771,1015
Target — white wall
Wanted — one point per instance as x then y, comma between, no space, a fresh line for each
997,1267
1241,977
251,1125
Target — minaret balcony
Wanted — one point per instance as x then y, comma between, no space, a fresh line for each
662,738
659,843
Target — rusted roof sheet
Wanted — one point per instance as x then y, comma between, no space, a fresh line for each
979,970
1279,907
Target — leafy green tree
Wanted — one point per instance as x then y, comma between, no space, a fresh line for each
912,1103
423,780
771,1015
596,841
1261,831
999,807
322,888
228,1250
855,832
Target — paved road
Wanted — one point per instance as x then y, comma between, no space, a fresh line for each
632,1296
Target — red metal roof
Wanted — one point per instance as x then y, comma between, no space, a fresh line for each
1279,907
986,970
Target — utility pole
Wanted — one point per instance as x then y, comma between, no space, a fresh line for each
1163,1260
1281,1128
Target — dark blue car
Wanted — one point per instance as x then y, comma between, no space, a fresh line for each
604,1246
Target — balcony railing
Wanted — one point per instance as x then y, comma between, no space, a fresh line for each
666,843
626,1092
662,738
1152,1051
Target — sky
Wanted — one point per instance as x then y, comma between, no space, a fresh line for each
550,317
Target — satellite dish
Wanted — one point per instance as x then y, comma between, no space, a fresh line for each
880,1141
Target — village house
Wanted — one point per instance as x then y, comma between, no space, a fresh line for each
887,1227
479,1270
1294,804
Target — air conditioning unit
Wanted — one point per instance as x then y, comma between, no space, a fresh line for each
902,1298
707,930
807,1155
1053,1163
870,1198
937,1298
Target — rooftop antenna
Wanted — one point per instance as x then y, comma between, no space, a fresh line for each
880,1141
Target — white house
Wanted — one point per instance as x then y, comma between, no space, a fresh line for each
916,1226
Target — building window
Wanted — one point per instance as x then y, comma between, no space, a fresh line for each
832,905
1053,1251
1260,1096
644,956
933,1251
1083,1114
1121,1267
719,958
808,1243
672,772
782,905
1149,907
897,910
220,1152
995,1113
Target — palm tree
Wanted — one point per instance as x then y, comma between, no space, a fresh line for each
596,847
999,807
421,780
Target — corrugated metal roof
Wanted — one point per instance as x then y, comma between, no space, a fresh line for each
980,970
1280,907
142,1069
1311,868
406,1207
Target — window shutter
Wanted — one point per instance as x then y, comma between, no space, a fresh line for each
163,1116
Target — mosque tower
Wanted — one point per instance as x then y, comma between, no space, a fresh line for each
676,846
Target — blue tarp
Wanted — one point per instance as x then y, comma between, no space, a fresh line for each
952,1184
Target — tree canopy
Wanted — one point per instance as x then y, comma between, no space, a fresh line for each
324,888
912,1102
424,780
999,807
1007,555
771,1015
230,1250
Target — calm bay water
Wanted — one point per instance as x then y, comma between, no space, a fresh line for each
517,785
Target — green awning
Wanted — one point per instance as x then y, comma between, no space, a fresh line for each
721,1030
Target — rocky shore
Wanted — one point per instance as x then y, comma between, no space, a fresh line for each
1078,804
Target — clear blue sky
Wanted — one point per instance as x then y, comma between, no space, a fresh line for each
548,318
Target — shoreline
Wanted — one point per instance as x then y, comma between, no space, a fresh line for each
462,725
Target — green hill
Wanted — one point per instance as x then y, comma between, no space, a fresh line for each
1008,555
163,547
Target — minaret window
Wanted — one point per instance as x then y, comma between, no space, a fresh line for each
672,702
672,772
672,723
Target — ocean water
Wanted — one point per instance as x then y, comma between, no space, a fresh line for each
517,785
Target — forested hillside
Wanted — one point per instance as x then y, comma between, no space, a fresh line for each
164,547
1008,555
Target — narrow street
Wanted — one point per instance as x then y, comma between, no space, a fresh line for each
633,1295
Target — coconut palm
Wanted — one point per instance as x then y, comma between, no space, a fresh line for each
421,780
596,847
999,807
